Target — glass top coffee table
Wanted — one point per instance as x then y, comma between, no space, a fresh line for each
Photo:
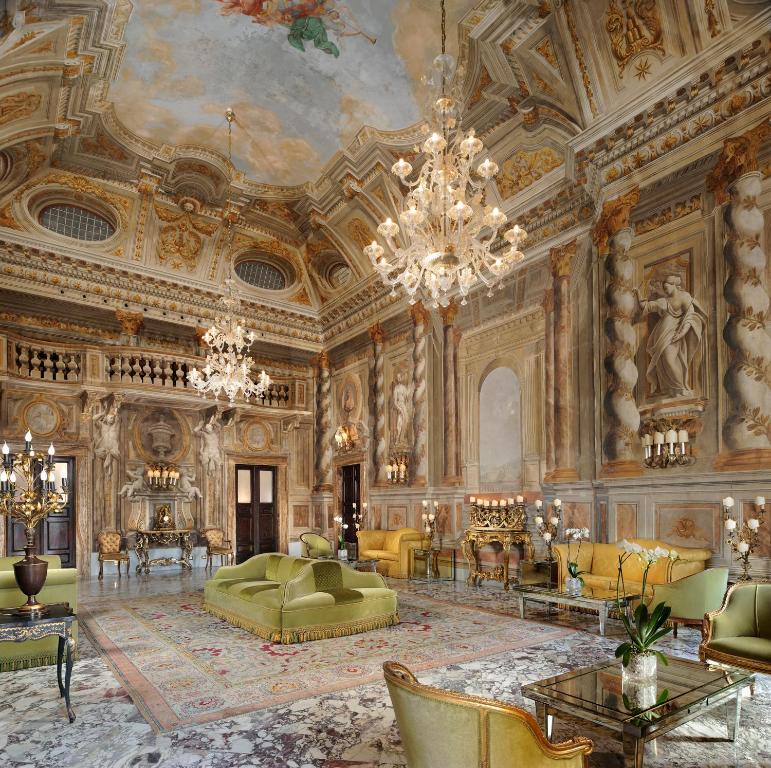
636,713
600,600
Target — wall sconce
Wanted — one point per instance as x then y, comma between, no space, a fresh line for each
667,442
346,437
162,476
396,469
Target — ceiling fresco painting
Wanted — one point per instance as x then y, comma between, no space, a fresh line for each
303,76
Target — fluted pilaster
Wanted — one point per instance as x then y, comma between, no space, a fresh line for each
323,424
613,237
564,462
420,320
377,334
548,377
747,380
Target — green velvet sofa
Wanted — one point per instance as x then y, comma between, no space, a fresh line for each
740,632
61,587
288,599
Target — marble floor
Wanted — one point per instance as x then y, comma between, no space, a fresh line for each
355,727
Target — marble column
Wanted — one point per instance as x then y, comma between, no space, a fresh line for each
323,424
613,237
548,378
451,469
377,334
746,430
564,463
421,325
531,387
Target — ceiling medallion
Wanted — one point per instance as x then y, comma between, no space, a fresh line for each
229,366
450,236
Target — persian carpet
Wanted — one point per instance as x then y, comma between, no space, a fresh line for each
181,665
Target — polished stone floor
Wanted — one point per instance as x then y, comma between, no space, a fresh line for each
350,728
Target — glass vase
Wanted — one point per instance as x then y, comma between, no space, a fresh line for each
641,669
639,695
573,585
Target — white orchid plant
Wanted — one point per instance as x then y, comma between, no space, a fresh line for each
646,627
343,528
579,535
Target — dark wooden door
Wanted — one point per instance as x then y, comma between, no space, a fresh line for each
351,493
55,534
256,528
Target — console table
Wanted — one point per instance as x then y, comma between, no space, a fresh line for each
57,620
163,538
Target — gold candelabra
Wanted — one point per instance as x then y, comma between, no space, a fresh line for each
162,475
396,469
548,526
666,442
28,494
743,539
429,521
498,513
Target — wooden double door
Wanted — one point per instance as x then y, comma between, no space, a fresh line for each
351,494
256,511
55,534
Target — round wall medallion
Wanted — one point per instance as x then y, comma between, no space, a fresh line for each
161,435
257,436
41,417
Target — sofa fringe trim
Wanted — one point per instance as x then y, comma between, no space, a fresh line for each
288,636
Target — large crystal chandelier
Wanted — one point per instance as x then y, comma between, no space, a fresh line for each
450,237
229,366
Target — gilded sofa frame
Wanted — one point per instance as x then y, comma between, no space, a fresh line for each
707,654
400,676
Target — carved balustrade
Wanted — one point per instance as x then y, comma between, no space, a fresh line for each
44,361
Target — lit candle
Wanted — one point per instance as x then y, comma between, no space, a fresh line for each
502,502
743,547
28,441
431,518
682,436
557,502
472,499
538,520
538,504
547,536
494,503
671,437
555,521
728,502
511,502
425,503
753,523
760,501
730,524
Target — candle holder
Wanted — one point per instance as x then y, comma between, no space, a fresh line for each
396,469
743,539
429,521
36,499
549,526
666,440
162,476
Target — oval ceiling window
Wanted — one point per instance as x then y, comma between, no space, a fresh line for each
260,274
76,222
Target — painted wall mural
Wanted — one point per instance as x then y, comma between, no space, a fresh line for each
303,76
500,430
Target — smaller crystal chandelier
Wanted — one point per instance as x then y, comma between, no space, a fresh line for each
451,238
228,366
346,437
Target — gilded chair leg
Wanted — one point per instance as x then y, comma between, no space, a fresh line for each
101,570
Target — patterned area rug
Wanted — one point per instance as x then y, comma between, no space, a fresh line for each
183,666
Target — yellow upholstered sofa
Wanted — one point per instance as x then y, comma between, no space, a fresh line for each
61,587
600,564
391,549
288,599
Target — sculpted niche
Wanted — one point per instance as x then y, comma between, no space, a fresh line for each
674,338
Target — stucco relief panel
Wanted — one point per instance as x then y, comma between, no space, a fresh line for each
689,524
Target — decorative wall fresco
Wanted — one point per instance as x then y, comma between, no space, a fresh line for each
689,525
500,434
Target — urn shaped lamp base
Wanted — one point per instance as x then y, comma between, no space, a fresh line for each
31,575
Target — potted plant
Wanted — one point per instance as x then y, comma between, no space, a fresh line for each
646,627
574,582
342,552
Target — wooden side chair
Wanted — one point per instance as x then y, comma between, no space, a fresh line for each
217,544
108,547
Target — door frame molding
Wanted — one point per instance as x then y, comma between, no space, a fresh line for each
282,496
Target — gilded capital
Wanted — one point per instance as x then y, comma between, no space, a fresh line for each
548,301
200,332
419,314
561,259
614,217
130,322
377,333
322,361
449,313
739,156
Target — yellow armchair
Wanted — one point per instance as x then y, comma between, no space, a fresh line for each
391,549
453,730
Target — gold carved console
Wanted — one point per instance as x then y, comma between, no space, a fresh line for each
504,524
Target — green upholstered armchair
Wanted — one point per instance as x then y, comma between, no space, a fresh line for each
740,632
453,730
314,545
690,598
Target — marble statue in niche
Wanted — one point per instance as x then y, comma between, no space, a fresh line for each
674,338
210,453
400,411
107,436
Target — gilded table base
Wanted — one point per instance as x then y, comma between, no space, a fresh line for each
475,539
146,539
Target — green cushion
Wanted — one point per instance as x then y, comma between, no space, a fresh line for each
750,647
763,610
271,571
738,618
327,576
268,598
248,587
345,596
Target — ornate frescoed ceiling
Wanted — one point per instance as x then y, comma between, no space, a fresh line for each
302,77
118,105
